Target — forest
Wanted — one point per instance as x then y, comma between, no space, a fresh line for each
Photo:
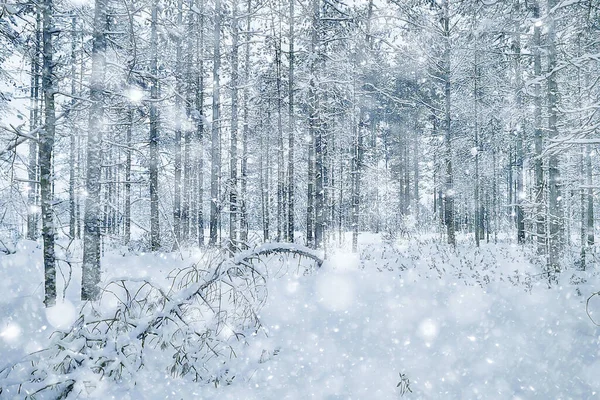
183,181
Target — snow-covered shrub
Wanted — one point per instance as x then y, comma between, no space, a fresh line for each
190,329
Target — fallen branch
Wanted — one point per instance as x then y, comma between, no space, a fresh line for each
587,308
276,248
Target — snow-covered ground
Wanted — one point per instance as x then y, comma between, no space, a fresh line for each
464,324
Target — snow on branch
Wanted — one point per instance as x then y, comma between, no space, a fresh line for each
193,328
276,248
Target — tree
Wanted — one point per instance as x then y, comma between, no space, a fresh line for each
92,217
233,157
291,127
46,147
215,169
154,132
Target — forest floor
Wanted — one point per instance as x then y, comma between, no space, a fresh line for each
412,319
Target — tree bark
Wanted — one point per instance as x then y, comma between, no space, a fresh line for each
449,180
154,132
215,171
46,147
312,206
92,217
538,140
292,127
200,123
555,203
245,129
520,195
34,120
590,199
233,157
178,117
73,139
476,186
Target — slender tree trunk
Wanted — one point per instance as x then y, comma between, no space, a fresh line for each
312,208
406,181
590,198
281,231
154,132
215,173
292,127
416,156
476,186
583,233
200,123
73,139
538,140
520,195
245,128
178,117
494,194
331,182
33,168
449,180
92,217
233,178
321,184
46,147
264,178
188,211
127,194
555,206
340,214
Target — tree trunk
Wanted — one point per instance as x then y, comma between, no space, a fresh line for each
73,139
281,231
312,207
200,123
264,179
416,156
92,217
590,199
358,144
449,183
233,206
583,234
46,147
127,194
244,163
33,168
178,117
188,211
520,195
555,206
538,141
476,151
292,127
215,171
154,132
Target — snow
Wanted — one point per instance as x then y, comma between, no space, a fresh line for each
62,315
10,333
135,95
465,323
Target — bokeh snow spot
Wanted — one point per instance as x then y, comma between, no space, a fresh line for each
428,329
292,286
11,333
62,315
344,261
336,291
